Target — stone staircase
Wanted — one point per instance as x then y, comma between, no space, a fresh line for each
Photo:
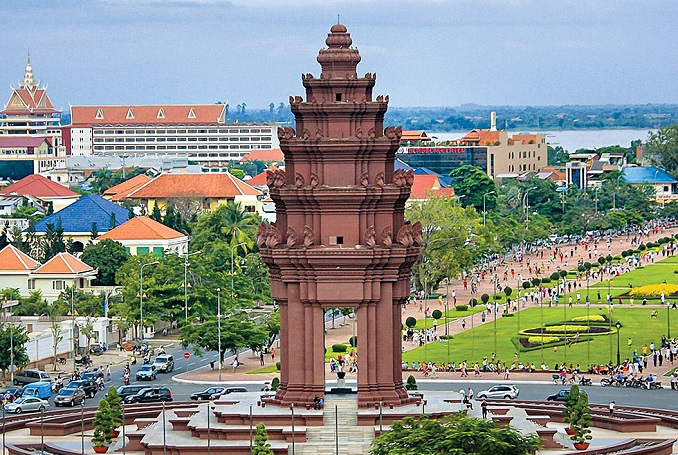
353,440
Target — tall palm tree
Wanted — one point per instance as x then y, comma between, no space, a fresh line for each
239,226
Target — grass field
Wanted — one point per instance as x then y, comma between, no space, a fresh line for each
637,323
473,345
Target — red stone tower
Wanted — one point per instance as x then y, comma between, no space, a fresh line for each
340,239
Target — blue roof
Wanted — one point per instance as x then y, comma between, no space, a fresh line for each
79,216
648,175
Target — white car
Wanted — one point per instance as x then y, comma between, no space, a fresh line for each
505,391
27,404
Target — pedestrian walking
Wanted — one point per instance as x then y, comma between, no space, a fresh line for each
483,406
612,405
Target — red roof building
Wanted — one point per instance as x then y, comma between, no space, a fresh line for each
122,190
149,114
428,185
13,259
63,264
143,235
272,155
38,186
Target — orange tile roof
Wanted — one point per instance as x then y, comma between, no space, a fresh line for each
63,263
414,135
141,228
524,138
260,179
122,190
34,100
423,183
264,155
158,114
38,186
12,258
204,185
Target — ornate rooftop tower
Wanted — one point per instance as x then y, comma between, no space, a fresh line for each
340,239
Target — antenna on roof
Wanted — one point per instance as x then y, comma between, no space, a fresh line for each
338,21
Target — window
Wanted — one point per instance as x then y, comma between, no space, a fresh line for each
158,251
338,96
142,250
31,285
666,189
338,240
127,250
58,285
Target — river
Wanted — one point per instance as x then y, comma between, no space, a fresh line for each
572,140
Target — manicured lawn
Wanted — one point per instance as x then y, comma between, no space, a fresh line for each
452,315
268,369
473,345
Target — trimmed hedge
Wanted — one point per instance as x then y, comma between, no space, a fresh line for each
462,307
560,342
410,322
339,348
353,341
437,314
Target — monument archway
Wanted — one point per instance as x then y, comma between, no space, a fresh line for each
340,238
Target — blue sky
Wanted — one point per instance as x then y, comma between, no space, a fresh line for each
426,52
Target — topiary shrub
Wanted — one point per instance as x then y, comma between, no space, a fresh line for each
588,265
601,260
339,348
446,337
462,307
555,276
609,258
563,273
472,303
546,280
625,253
411,383
277,364
437,314
353,341
485,298
527,285
411,321
507,315
536,281
642,247
275,383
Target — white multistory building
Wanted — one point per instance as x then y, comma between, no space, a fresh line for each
197,131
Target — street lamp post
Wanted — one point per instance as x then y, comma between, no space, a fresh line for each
219,330
668,320
526,203
186,264
484,210
141,297
618,326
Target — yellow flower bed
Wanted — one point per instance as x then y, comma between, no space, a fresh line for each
592,318
541,340
566,328
654,290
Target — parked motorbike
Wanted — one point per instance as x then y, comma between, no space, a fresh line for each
84,360
62,360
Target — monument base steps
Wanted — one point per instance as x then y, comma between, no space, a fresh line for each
353,440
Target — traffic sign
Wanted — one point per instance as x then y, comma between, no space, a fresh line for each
187,355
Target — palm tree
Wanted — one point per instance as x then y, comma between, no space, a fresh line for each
239,226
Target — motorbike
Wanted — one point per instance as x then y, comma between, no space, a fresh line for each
62,360
84,360
585,381
655,386
608,382
125,379
147,360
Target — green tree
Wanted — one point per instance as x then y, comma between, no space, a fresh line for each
28,212
229,221
455,435
470,184
115,403
33,305
237,332
103,425
105,179
662,148
19,338
94,232
261,445
4,241
453,238
107,256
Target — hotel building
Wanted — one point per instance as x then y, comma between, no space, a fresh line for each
197,131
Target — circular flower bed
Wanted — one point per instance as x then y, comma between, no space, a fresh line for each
655,290
541,340
569,330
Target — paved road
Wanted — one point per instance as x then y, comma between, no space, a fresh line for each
665,398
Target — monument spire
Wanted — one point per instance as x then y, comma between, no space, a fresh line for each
29,78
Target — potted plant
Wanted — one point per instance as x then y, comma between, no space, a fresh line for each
411,383
115,403
103,425
581,422
570,402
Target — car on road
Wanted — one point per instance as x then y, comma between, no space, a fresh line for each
69,396
93,375
150,395
229,390
87,385
30,376
147,373
208,394
164,363
560,396
25,404
128,390
505,391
